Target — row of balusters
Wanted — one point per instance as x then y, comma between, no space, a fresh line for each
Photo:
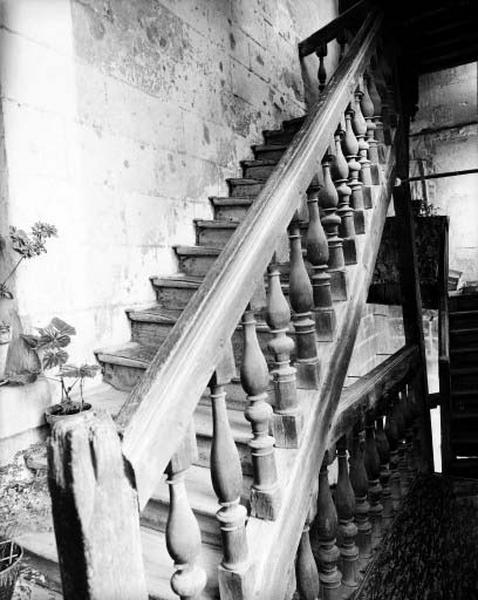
336,200
377,462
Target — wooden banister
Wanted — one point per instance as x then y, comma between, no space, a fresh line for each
155,417
330,31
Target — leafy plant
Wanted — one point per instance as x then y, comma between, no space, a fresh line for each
27,245
50,344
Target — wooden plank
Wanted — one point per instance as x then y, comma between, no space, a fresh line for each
330,31
159,409
95,511
369,390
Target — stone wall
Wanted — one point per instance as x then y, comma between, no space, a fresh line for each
119,119
445,137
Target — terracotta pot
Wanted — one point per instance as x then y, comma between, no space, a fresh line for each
52,414
5,339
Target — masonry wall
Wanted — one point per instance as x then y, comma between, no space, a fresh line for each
445,137
120,118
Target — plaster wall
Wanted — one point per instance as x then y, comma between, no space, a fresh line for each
445,137
120,118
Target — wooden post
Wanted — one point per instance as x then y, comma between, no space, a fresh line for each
95,511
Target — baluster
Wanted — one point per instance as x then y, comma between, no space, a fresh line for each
318,257
359,481
340,174
265,498
226,476
377,111
350,149
287,418
383,449
392,437
322,72
360,128
183,536
402,456
302,302
372,465
347,530
306,573
326,528
342,40
368,111
409,463
328,199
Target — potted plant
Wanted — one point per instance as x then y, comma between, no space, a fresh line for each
50,344
27,245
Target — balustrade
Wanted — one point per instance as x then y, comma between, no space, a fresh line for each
265,496
287,417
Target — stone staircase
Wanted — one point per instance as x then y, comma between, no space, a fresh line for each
464,383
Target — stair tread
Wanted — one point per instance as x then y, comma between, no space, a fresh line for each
464,370
157,562
269,147
241,429
217,223
463,349
465,392
131,352
155,314
453,313
179,280
259,162
231,200
463,329
198,250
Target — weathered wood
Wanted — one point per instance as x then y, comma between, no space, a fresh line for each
306,573
155,416
302,302
360,129
383,448
287,418
393,441
332,29
226,476
347,529
95,511
368,111
372,466
351,152
318,256
322,72
265,494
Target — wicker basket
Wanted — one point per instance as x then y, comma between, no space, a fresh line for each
11,555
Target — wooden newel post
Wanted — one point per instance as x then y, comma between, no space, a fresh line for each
95,511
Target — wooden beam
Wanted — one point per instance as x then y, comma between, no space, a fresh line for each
95,511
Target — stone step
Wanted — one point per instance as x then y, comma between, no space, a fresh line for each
40,552
464,319
214,233
278,137
269,151
175,291
258,169
230,209
242,186
202,500
195,261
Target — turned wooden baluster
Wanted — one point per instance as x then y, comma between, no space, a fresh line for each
391,432
322,72
306,573
360,128
347,529
287,418
183,536
340,174
368,111
359,481
342,40
372,466
226,476
302,302
328,200
318,257
326,527
265,498
377,112
402,449
350,149
383,448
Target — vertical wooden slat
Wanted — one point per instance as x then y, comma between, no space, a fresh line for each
95,511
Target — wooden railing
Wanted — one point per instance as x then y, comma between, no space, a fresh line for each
334,160
444,352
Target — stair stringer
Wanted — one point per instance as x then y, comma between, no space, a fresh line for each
273,544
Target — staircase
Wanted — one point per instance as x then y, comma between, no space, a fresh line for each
463,316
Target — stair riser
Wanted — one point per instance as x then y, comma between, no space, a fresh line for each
121,377
279,137
155,516
217,238
464,359
196,266
458,340
465,302
204,453
464,320
230,213
258,172
238,190
269,154
169,297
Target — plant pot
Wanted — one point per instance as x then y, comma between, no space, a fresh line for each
5,339
53,414
11,555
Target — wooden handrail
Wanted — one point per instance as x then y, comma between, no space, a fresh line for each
155,417
330,31
367,391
